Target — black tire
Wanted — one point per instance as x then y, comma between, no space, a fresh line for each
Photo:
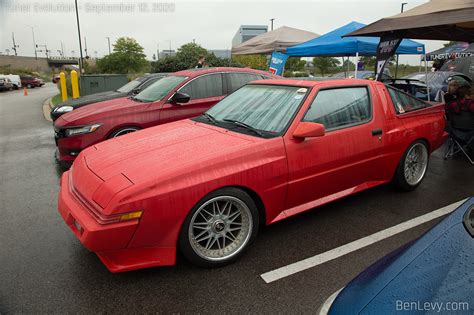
191,254
30,86
400,180
15,87
122,131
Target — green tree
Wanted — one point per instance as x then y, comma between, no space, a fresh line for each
187,57
325,63
252,61
295,64
127,57
369,62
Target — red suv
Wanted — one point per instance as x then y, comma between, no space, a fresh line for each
181,95
30,82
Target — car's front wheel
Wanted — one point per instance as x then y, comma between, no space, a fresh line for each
123,131
412,167
219,228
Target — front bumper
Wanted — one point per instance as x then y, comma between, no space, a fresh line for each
109,241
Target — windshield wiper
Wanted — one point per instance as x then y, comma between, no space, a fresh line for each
244,125
210,118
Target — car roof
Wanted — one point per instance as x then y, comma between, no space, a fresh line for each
310,83
200,71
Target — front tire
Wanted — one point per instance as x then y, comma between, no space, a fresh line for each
412,167
219,228
123,131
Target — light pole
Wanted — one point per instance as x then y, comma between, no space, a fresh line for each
271,21
157,51
108,40
396,65
79,35
46,51
170,45
15,46
34,42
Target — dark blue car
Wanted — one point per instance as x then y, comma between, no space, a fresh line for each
431,275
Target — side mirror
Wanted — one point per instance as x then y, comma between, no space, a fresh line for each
135,91
179,97
309,130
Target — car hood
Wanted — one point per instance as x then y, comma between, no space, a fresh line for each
105,108
164,151
93,98
438,267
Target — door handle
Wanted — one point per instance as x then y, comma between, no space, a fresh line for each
377,132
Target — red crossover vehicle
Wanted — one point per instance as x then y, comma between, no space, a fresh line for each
270,150
182,95
30,82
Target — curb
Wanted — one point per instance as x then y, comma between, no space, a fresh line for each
47,106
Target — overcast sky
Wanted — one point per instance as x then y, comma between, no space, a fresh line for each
212,24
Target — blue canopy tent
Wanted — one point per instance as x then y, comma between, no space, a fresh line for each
332,44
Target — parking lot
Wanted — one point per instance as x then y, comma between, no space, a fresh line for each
46,269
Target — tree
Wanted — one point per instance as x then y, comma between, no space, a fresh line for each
186,58
325,63
369,62
127,57
252,61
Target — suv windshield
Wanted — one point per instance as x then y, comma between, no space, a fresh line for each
130,86
159,89
265,108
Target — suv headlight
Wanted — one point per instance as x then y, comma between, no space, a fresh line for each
81,130
64,109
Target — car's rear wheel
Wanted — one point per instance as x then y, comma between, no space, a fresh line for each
123,131
219,228
412,167
30,86
15,86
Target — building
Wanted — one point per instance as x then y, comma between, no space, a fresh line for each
166,52
247,32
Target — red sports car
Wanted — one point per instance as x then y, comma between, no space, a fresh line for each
270,150
182,95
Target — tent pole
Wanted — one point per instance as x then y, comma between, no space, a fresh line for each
356,63
348,69
421,59
396,67
343,69
426,79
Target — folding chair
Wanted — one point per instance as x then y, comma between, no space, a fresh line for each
460,124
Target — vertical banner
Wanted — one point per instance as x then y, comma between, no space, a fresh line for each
277,63
385,50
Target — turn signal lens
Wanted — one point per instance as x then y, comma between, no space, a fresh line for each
131,215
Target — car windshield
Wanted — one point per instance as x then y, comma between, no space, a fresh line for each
267,108
159,89
129,86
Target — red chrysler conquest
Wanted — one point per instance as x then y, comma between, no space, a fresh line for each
270,150
182,95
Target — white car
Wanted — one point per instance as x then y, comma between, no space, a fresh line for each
14,78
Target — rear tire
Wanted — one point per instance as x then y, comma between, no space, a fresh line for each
123,131
219,228
412,166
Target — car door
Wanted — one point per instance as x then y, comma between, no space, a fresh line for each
347,156
204,91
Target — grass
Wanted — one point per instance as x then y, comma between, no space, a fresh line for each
56,100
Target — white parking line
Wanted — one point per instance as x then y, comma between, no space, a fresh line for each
337,252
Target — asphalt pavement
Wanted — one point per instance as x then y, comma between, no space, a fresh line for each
44,268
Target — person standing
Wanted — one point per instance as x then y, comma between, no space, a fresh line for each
201,61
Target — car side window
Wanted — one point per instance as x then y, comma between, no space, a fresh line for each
209,85
237,80
403,102
340,107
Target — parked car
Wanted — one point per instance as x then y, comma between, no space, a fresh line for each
30,82
434,272
438,80
56,78
131,88
181,95
41,82
270,150
363,74
15,79
5,84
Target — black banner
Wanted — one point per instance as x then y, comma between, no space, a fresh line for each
385,50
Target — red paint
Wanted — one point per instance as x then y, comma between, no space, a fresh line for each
165,170
124,112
